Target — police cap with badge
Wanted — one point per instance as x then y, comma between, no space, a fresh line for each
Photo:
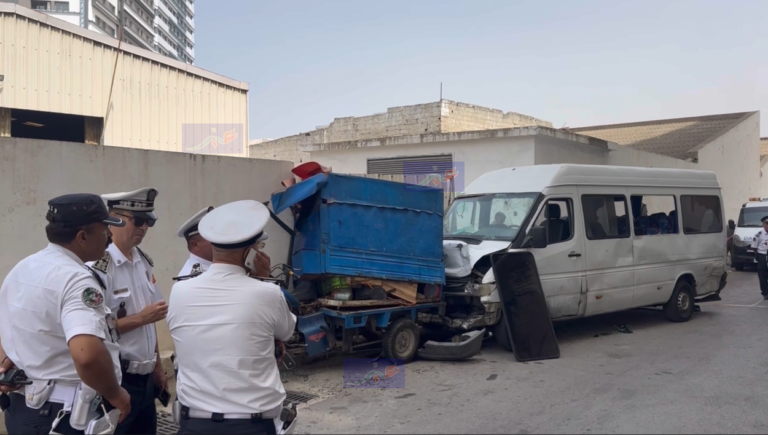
764,219
140,203
78,209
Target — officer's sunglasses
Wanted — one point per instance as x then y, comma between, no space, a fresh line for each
139,222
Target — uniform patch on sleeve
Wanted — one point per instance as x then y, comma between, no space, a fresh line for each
93,298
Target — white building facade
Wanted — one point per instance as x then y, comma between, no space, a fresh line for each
728,145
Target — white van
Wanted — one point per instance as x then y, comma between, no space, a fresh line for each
746,229
605,239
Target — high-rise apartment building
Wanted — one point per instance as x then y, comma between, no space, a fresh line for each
175,29
163,26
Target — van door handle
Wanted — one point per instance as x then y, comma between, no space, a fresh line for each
574,254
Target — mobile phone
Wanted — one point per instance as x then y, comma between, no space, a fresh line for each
162,395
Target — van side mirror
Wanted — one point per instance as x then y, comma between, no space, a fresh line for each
539,237
731,225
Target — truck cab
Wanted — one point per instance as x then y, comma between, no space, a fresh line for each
746,228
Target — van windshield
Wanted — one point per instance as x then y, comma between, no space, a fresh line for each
750,216
488,217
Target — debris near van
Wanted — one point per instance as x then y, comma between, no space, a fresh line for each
461,347
624,329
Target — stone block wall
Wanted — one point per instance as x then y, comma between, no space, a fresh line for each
439,117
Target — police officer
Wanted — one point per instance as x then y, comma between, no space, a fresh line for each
228,380
54,323
200,251
133,296
760,245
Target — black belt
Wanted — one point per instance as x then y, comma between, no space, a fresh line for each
219,417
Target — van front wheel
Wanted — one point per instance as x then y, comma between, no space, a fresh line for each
679,308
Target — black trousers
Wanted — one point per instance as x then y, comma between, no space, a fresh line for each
762,273
143,416
206,426
19,419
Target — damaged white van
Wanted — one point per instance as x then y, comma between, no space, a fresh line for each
605,239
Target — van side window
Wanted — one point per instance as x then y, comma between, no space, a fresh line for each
701,214
605,216
557,218
654,214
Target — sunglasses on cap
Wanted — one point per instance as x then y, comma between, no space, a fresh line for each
139,221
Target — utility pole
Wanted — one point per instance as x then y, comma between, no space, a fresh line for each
441,91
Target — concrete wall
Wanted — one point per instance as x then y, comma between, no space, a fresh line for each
734,157
478,156
32,172
440,117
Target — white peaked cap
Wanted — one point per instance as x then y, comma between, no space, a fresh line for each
235,225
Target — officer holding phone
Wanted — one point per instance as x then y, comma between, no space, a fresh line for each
55,326
228,380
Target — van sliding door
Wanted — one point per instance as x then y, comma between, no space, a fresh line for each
609,256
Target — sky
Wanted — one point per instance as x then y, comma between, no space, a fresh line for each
574,63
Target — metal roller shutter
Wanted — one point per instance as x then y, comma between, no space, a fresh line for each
436,164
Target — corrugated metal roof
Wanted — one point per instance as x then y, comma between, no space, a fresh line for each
679,138
763,146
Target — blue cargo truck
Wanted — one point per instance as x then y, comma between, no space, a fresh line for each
366,263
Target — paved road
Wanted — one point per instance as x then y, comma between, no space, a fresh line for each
704,376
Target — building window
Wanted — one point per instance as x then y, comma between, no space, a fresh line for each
701,214
557,218
654,214
40,5
605,216
61,6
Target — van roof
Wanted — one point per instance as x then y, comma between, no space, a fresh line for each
538,177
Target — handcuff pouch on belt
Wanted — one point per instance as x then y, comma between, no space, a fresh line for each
37,393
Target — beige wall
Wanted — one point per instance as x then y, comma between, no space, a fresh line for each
53,66
32,172
439,117
734,156
479,156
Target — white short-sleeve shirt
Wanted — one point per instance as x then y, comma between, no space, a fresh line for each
45,300
224,325
760,242
133,284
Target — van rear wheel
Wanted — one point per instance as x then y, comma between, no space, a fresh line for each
679,307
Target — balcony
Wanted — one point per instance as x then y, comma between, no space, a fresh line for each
136,15
107,9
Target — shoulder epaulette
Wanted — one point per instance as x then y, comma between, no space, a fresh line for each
98,278
103,263
146,257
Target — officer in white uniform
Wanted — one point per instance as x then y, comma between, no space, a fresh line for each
224,324
760,245
133,296
55,325
200,251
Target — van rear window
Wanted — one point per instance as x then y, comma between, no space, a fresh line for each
701,214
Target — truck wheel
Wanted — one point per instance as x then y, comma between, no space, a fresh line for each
679,308
500,332
401,340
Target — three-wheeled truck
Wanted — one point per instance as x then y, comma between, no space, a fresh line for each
366,263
